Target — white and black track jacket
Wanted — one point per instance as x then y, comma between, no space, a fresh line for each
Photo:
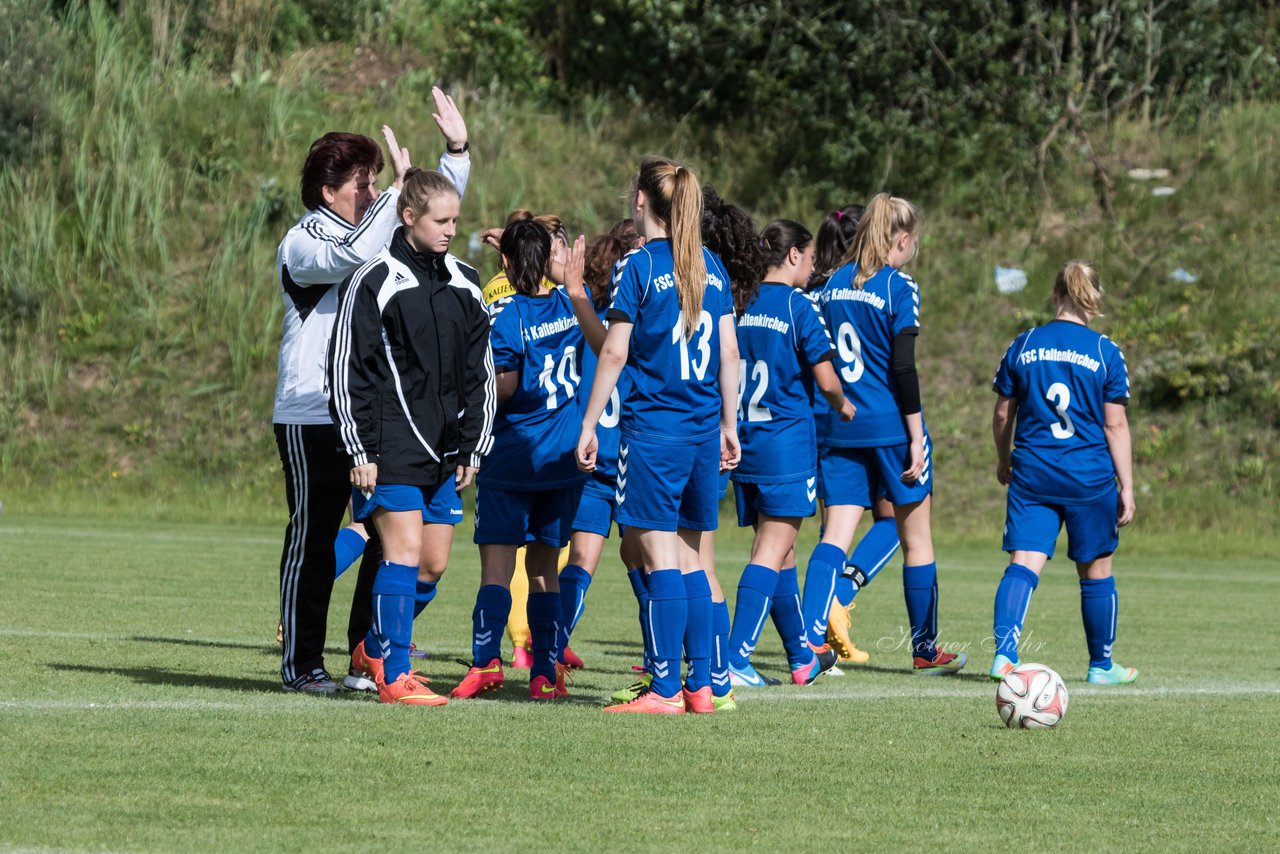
320,251
411,382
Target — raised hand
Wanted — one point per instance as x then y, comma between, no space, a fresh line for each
400,162
574,266
448,119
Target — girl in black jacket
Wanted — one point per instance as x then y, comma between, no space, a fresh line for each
411,388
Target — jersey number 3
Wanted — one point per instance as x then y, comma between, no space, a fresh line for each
1060,396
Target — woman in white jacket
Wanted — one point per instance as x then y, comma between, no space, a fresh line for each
348,221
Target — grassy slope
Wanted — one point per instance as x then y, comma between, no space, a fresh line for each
141,713
146,369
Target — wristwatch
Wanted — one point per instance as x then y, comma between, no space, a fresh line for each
466,146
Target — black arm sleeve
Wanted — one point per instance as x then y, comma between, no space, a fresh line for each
904,371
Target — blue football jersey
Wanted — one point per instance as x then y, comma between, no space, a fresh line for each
675,390
535,432
781,336
863,323
608,430
1062,374
820,408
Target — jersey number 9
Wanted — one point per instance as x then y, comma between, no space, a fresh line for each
850,348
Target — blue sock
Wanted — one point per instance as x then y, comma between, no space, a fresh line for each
1013,597
873,551
544,625
789,619
346,548
1099,606
920,586
755,598
720,685
426,591
819,589
393,590
574,581
668,613
488,620
699,631
640,587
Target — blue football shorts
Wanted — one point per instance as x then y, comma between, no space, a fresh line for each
790,499
858,475
1032,525
666,484
511,518
441,505
596,508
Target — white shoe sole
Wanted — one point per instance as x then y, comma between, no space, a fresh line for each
353,682
314,688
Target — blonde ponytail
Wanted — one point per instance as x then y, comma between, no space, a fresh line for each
1079,286
686,246
675,200
885,217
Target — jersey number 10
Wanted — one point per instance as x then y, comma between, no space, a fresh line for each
566,373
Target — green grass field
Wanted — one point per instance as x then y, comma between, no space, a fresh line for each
140,710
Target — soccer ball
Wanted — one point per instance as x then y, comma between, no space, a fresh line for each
1031,696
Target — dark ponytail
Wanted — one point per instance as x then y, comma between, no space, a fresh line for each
527,248
728,231
778,238
834,236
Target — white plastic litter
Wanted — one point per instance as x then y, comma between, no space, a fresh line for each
1010,280
1140,174
1183,276
1163,191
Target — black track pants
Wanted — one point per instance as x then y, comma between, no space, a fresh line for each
318,487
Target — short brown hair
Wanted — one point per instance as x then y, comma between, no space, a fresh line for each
331,162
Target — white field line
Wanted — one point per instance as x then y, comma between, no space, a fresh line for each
1093,692
291,705
220,537
133,637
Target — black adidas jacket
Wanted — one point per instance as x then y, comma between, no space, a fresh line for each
410,373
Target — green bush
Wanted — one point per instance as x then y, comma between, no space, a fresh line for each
32,44
885,92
